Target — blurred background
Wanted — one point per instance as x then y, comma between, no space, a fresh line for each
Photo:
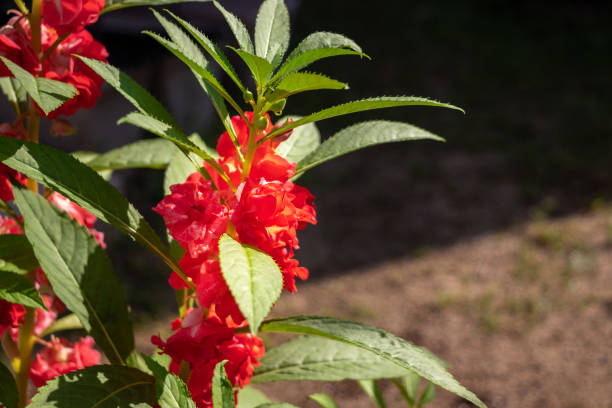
493,250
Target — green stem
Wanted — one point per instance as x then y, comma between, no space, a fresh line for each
35,19
22,7
248,161
53,46
26,343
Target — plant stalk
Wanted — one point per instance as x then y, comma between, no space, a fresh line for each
26,344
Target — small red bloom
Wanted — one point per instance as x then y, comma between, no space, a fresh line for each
11,315
15,45
71,16
60,357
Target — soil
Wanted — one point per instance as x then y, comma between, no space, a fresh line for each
524,316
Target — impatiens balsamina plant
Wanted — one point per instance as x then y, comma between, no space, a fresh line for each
232,215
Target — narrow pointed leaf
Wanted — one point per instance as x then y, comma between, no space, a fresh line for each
360,106
16,254
411,382
371,388
272,31
102,386
222,391
131,90
213,49
362,135
428,395
47,93
68,176
324,400
69,322
309,358
303,141
297,82
148,153
80,273
308,57
171,391
249,397
259,67
15,93
324,39
9,395
385,345
113,5
240,31
252,276
15,288
181,166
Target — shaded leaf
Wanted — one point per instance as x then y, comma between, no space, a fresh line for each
386,345
222,391
181,166
428,395
102,386
73,179
9,395
69,322
319,359
240,31
171,391
15,288
302,141
259,67
15,93
148,153
272,31
16,254
371,388
360,106
362,135
113,5
80,273
254,279
324,400
47,93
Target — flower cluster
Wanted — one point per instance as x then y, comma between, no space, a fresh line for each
262,208
58,356
62,35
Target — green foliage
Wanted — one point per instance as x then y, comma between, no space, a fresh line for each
15,93
47,93
15,288
16,254
301,143
260,68
249,397
372,389
80,273
362,135
240,31
324,400
8,388
148,153
324,39
272,31
297,82
222,391
181,166
387,346
113,5
101,386
65,174
320,359
252,276
171,391
68,322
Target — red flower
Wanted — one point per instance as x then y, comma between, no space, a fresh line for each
11,315
71,16
60,357
15,45
15,131
9,226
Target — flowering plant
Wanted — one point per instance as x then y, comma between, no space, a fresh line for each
232,213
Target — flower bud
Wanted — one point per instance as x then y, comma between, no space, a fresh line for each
261,123
278,106
61,127
247,96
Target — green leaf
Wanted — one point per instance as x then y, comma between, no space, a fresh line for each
15,93
259,67
148,153
222,391
9,395
240,31
171,391
85,157
428,395
360,106
16,254
362,135
324,400
252,276
319,359
249,397
68,176
297,82
113,5
386,345
126,86
411,382
213,50
276,405
47,93
80,273
101,386
69,322
181,166
301,143
308,57
198,69
272,31
371,388
15,288
324,39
